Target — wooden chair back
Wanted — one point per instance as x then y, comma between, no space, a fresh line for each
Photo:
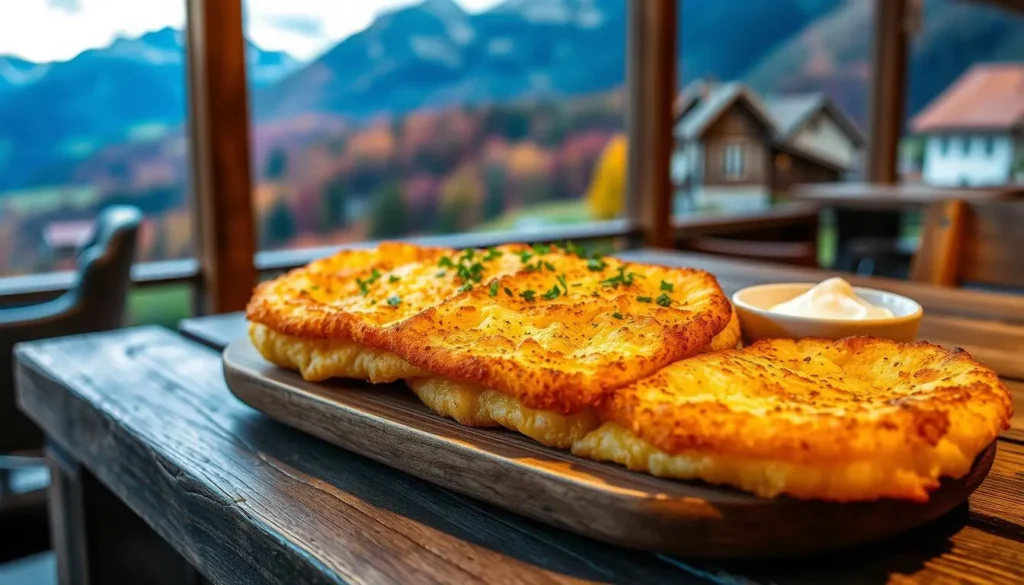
95,303
978,243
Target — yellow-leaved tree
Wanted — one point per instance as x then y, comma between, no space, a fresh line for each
607,193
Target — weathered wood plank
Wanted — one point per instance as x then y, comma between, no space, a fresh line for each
214,331
245,499
248,500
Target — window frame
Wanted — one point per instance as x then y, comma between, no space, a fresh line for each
737,171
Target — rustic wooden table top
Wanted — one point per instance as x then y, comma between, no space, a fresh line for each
877,197
246,499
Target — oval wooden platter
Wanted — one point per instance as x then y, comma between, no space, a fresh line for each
603,501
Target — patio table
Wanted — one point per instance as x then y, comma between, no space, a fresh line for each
873,211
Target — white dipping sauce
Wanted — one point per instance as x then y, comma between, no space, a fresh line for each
831,299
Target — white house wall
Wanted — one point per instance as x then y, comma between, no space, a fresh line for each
828,141
687,161
965,162
721,199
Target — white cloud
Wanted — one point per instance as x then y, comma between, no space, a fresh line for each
42,31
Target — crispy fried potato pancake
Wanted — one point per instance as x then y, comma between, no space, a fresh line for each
473,405
855,419
559,335
326,319
728,338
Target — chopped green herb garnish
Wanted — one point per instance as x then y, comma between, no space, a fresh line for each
441,273
525,256
393,278
374,276
595,265
561,281
643,299
533,267
576,284
394,300
364,287
464,288
554,293
667,286
624,278
508,291
492,253
445,262
617,315
571,248
471,273
528,295
494,288
541,248
549,266
663,300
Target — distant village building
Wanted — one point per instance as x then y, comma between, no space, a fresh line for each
974,131
735,150
61,239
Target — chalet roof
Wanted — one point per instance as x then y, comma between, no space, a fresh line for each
790,111
702,102
698,115
989,96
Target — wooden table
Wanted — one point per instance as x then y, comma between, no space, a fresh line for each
141,425
872,211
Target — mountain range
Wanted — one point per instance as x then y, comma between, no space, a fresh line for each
51,113
434,55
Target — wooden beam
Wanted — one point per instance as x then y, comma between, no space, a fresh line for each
219,145
651,90
888,89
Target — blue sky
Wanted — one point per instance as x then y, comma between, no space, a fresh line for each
54,30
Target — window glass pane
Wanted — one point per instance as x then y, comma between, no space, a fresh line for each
966,84
92,112
160,305
390,118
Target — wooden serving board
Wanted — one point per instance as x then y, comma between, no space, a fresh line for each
603,501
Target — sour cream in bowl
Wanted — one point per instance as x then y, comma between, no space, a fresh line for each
831,299
832,309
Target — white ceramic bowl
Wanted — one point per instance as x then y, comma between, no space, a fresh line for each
752,304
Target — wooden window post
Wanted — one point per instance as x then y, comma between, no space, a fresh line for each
219,145
651,90
888,89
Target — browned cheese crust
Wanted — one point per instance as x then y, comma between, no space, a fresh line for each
918,410
345,296
559,337
544,325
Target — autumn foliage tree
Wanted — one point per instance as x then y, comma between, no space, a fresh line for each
390,217
606,196
460,201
